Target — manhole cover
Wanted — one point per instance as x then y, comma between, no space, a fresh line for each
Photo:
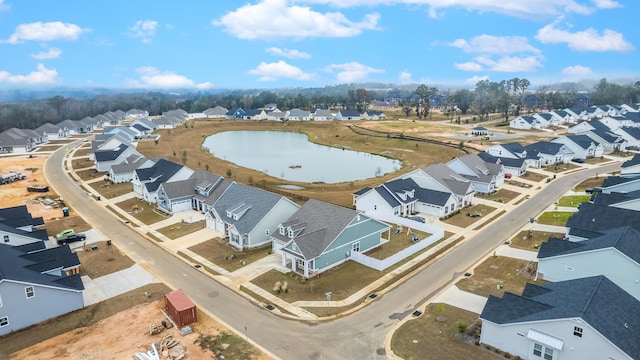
373,296
467,274
416,313
269,307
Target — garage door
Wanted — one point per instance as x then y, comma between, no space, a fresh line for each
183,205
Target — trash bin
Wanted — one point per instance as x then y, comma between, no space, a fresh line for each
65,211
109,242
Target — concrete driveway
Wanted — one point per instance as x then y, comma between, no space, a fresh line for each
120,282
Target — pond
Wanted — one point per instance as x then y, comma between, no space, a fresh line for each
291,156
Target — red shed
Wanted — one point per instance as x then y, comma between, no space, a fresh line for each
181,309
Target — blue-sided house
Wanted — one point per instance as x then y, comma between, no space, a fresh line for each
320,236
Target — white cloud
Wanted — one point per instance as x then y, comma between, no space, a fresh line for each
352,72
587,40
474,79
277,70
405,77
500,45
577,71
288,53
52,53
143,29
529,9
606,4
4,7
151,77
48,31
502,64
274,19
40,76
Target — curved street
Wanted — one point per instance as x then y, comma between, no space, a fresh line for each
359,335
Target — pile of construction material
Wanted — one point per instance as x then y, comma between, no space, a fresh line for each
11,177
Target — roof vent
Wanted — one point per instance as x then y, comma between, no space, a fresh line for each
626,326
594,219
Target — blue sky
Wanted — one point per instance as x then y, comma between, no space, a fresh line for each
205,44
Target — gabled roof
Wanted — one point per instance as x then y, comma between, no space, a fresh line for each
110,155
131,163
625,239
544,147
448,178
362,191
635,160
349,113
233,111
510,162
218,110
16,265
484,171
48,128
582,140
611,311
140,127
160,172
604,132
19,216
633,131
252,112
321,224
528,119
374,113
608,199
323,113
592,220
299,113
255,203
187,187
514,147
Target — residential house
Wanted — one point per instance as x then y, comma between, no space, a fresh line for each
35,285
582,146
619,184
580,128
577,319
106,142
18,227
512,150
51,132
486,177
298,115
524,122
146,181
254,114
72,127
320,236
14,143
621,200
374,115
616,254
127,132
322,115
440,177
403,197
105,159
217,112
631,167
512,167
348,115
199,192
564,116
235,113
593,220
136,113
631,135
248,216
600,133
123,171
549,153
146,123
276,115
546,119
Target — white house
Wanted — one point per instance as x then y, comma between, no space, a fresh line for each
440,177
147,180
217,112
348,115
374,115
549,153
524,122
322,115
588,318
486,177
631,167
297,114
582,146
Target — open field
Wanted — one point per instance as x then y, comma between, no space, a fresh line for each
173,142
531,240
427,338
106,259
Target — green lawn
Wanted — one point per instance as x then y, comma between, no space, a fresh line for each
461,219
180,229
498,274
573,201
426,338
219,252
558,218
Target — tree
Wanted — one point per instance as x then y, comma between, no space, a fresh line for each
56,103
425,94
406,107
462,99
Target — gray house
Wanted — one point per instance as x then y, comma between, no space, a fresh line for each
616,254
146,181
35,285
588,318
248,216
123,172
593,220
486,177
105,159
18,227
199,192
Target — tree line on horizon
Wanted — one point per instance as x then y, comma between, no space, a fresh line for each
506,97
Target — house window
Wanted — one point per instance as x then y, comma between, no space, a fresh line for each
548,353
235,238
537,350
355,246
577,331
5,238
4,321
30,292
542,352
282,230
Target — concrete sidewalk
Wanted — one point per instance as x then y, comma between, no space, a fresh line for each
508,251
461,299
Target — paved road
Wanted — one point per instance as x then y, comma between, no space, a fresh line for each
360,335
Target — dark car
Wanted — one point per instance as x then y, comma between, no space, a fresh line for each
38,188
417,218
578,160
71,238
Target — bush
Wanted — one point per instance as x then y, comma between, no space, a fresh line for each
462,326
507,355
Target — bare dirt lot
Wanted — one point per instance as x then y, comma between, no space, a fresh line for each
123,334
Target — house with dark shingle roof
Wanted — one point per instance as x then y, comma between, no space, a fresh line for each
622,200
602,134
18,227
588,318
616,254
199,192
37,284
514,167
105,159
631,167
248,216
254,114
631,134
549,153
146,181
123,172
235,113
512,150
525,122
486,177
593,220
619,184
440,177
348,114
320,236
582,146
403,197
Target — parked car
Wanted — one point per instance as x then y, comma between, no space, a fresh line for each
38,188
474,215
507,176
71,238
418,219
64,233
634,148
578,160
